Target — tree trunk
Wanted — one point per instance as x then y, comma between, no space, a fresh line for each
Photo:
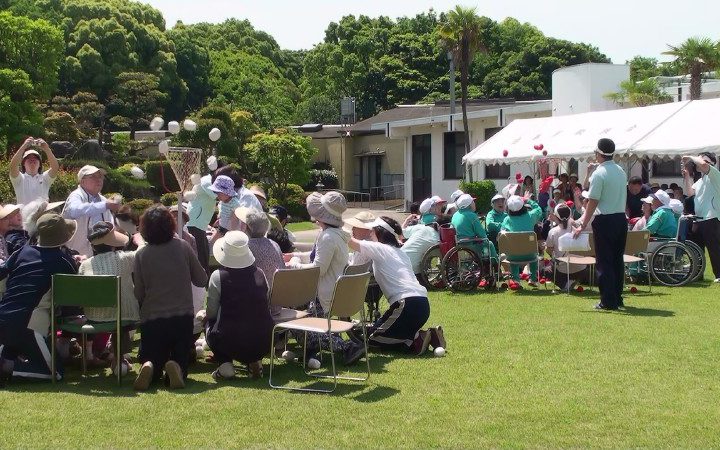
464,69
695,81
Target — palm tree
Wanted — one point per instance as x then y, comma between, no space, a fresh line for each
460,35
696,55
641,93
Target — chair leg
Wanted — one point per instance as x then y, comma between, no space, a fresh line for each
53,338
83,354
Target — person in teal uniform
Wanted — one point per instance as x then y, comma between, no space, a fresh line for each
467,225
662,223
521,219
431,209
495,217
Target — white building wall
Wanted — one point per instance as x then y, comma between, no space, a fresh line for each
581,88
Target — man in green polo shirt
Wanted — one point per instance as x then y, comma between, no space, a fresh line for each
607,195
707,204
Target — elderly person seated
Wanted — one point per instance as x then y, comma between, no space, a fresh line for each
495,217
110,259
431,210
268,257
467,225
577,272
239,322
662,223
522,219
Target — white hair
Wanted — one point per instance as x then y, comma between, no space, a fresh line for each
257,224
31,213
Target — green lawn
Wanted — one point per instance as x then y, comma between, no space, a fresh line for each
525,369
301,226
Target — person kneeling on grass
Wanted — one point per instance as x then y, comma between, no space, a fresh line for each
519,219
239,322
29,274
164,269
399,327
565,279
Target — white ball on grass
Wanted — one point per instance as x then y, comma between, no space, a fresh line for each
288,355
439,352
313,363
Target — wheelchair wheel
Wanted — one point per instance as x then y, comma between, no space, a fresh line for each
461,269
699,258
431,269
672,264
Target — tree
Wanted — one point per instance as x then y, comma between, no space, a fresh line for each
639,93
18,116
318,109
136,100
642,68
460,35
283,157
696,55
61,126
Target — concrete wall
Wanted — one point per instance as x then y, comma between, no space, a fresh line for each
581,88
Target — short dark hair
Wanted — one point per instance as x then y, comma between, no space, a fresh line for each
22,163
709,156
635,180
157,225
280,237
415,208
386,237
229,171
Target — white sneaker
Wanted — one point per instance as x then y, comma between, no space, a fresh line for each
224,372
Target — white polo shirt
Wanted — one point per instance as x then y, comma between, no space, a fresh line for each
32,187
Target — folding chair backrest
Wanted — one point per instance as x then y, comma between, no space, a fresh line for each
637,242
292,288
349,295
357,268
517,244
591,252
101,291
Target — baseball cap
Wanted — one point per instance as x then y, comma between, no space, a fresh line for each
88,170
31,152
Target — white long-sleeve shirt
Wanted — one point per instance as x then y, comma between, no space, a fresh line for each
86,210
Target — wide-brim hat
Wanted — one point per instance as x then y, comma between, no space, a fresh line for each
363,220
327,208
53,230
258,191
223,185
103,233
8,209
232,250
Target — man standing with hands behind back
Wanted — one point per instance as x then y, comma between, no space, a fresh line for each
706,190
608,194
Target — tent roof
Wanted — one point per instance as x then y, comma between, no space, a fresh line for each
669,129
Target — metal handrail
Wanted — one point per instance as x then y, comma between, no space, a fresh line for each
351,196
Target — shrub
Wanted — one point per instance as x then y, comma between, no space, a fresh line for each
117,180
139,205
294,203
169,198
156,172
483,191
64,184
328,178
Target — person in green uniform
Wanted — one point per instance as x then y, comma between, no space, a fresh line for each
468,226
495,217
431,209
521,219
662,223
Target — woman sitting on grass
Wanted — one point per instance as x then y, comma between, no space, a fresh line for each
239,323
164,269
399,327
519,219
578,272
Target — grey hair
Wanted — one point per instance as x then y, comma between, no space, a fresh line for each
257,224
31,213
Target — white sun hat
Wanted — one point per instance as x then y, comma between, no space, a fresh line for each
232,250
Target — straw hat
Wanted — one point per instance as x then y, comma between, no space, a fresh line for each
232,250
105,233
54,231
8,209
327,208
363,220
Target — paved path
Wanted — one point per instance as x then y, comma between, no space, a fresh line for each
311,235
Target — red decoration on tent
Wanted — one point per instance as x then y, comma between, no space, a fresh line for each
505,153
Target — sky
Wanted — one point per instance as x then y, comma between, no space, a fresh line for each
621,29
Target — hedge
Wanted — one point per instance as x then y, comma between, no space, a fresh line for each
483,191
295,202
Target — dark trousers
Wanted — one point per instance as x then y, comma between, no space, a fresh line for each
610,233
203,247
397,328
162,340
16,342
707,235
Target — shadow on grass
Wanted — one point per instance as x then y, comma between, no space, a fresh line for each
634,311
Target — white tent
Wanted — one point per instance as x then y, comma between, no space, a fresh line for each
662,130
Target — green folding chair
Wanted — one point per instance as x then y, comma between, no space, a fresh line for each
100,291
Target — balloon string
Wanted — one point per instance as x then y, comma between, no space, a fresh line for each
162,177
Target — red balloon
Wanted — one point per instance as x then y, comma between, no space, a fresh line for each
540,146
505,152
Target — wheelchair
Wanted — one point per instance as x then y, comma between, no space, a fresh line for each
455,264
676,261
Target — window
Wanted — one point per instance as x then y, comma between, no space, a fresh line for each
490,132
453,151
666,168
497,171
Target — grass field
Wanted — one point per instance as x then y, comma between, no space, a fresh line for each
301,226
525,369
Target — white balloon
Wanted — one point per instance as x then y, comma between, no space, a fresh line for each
195,178
173,127
214,134
440,352
157,123
211,162
189,125
137,172
164,147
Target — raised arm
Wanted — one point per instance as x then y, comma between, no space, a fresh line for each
17,158
52,160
